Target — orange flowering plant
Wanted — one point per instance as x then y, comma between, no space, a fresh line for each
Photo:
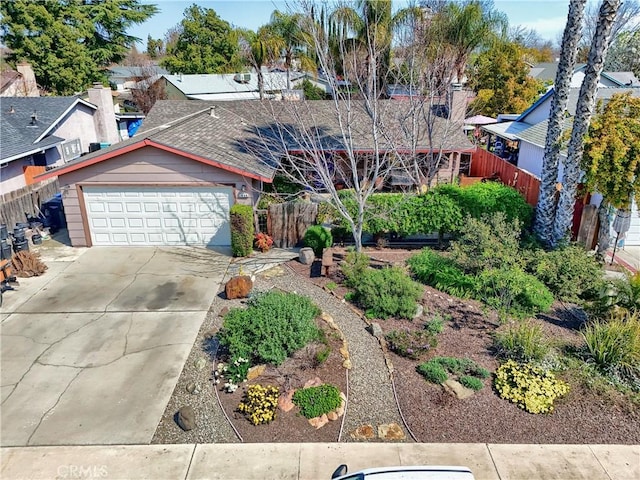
263,242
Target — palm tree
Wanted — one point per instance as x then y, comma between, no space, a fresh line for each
545,209
466,26
584,110
261,48
370,27
289,27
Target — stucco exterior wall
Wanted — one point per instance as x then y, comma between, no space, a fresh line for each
147,166
11,175
78,123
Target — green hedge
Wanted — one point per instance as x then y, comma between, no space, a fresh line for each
241,230
442,209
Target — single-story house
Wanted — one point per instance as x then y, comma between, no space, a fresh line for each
174,182
126,77
226,87
546,72
49,131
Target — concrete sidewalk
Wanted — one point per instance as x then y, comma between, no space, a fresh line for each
317,461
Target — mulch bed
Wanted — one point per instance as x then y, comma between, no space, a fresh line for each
584,416
292,374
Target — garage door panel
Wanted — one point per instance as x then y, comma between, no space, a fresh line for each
178,216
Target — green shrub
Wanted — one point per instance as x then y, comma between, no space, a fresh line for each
318,238
409,343
435,325
485,198
326,213
241,230
353,266
387,292
513,291
471,382
570,272
531,388
316,401
440,272
614,346
260,404
274,325
524,342
493,242
433,372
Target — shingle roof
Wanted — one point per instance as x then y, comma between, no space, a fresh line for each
251,135
19,135
545,71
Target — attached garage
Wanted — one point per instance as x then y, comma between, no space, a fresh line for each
174,185
140,215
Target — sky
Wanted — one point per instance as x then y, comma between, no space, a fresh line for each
547,17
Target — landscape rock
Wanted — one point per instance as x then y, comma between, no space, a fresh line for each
375,329
319,422
391,431
186,418
363,432
200,363
209,334
223,312
285,401
193,388
314,382
327,257
307,256
347,364
255,371
344,352
333,416
456,388
238,287
419,311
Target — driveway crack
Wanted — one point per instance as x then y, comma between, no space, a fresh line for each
52,407
135,277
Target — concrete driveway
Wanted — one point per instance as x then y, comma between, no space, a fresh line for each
92,350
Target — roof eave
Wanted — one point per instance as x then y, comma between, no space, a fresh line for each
64,169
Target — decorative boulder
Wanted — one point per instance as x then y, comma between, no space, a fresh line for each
307,256
238,287
186,418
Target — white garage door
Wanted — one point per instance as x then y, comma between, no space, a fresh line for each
158,215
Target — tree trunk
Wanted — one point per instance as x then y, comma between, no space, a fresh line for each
584,111
545,209
603,232
260,82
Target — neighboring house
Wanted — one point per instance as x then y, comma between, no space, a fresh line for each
124,78
528,132
225,87
49,131
546,72
20,83
175,181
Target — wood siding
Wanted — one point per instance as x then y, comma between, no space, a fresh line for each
147,166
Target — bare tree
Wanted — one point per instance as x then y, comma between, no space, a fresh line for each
358,139
148,87
627,20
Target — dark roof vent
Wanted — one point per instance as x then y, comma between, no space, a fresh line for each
11,109
34,119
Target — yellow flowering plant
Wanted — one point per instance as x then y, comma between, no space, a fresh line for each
260,403
532,388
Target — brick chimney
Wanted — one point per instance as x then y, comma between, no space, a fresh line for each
29,86
105,116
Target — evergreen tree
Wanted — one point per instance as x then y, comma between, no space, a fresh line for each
69,43
206,44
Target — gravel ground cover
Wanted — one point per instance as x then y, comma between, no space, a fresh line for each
432,414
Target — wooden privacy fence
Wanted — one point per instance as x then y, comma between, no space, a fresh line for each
486,164
287,222
25,200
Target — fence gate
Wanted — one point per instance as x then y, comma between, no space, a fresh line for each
287,222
